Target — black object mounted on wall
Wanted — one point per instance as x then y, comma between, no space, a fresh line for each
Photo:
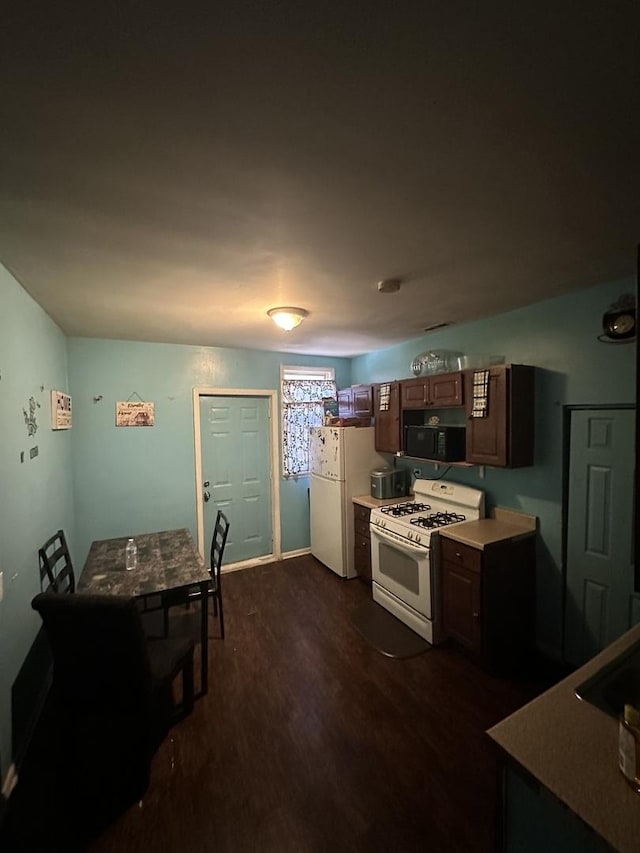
619,321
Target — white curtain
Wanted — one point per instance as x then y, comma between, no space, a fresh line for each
301,409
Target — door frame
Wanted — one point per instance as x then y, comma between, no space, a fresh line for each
272,398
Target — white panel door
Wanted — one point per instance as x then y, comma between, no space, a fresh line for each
236,462
600,603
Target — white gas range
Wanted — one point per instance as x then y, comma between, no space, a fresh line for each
403,579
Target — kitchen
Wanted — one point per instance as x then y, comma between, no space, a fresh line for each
591,372
486,185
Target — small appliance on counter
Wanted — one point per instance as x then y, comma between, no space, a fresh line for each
390,483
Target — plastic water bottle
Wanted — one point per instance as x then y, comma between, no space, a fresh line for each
131,555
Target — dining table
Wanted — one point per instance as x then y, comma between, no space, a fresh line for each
167,561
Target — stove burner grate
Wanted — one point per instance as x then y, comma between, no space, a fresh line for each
410,508
438,519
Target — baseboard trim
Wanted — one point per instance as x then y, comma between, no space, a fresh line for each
301,552
248,564
261,561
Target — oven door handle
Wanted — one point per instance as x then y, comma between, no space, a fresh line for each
399,541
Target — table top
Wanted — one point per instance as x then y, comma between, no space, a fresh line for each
167,560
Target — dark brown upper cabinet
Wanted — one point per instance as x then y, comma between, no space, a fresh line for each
386,411
505,437
442,391
356,401
362,401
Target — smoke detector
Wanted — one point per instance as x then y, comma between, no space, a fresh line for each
389,285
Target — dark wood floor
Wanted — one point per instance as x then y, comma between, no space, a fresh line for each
310,740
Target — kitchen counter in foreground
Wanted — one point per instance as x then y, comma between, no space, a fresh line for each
571,748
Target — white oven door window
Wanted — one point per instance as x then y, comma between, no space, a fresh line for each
404,572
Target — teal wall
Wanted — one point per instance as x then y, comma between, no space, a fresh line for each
36,495
136,480
558,337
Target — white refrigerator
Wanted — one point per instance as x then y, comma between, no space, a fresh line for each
341,462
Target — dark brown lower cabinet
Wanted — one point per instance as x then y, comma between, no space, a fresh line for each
362,542
461,606
488,599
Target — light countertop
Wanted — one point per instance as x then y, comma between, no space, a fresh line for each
503,524
373,503
571,747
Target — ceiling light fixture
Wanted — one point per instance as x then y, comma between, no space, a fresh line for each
287,318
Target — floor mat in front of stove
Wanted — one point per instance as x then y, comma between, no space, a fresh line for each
385,633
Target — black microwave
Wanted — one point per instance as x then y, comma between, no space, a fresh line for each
442,443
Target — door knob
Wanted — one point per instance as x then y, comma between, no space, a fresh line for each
207,497
206,484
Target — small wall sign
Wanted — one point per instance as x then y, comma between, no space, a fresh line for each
60,410
131,413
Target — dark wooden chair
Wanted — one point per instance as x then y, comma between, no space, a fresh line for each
112,695
218,542
56,568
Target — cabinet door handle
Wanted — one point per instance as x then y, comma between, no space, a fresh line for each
458,555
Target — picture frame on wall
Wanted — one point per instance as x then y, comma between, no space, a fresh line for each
60,410
134,413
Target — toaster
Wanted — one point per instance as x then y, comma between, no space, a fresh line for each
389,483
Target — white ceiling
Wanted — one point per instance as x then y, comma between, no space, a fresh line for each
171,176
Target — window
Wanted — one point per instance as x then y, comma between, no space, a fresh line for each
302,391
